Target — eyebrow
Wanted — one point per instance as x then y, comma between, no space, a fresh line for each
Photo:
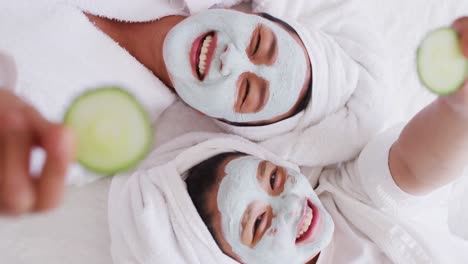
262,168
279,21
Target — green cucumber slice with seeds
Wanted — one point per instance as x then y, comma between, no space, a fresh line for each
442,67
113,130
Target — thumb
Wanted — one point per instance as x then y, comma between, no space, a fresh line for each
464,43
461,26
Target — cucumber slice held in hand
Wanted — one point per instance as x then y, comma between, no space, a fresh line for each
442,67
113,130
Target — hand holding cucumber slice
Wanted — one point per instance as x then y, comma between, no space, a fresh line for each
113,130
442,67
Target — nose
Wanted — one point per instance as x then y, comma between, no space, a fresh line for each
291,207
230,59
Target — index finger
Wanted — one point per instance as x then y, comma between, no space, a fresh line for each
460,24
57,142
59,148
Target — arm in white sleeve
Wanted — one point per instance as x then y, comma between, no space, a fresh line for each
374,179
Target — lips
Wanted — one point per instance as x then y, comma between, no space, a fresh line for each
309,224
201,55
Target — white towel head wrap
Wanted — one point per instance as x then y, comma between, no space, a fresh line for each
151,216
348,78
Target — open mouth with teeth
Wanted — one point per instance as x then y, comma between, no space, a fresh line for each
308,224
201,55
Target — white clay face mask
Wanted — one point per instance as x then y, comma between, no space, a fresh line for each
224,35
291,215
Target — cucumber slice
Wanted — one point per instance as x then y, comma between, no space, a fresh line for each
442,67
114,131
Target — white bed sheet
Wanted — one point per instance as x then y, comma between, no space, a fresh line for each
76,233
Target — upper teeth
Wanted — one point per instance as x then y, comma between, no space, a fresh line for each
307,222
203,54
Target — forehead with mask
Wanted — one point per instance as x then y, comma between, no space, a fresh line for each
260,212
237,67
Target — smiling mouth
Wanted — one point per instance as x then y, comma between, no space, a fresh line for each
308,224
201,55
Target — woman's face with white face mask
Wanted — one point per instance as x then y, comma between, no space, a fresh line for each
264,213
237,67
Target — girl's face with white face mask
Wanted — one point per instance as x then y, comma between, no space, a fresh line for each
237,67
265,213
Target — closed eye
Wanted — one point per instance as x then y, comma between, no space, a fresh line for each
247,91
258,41
263,46
255,42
